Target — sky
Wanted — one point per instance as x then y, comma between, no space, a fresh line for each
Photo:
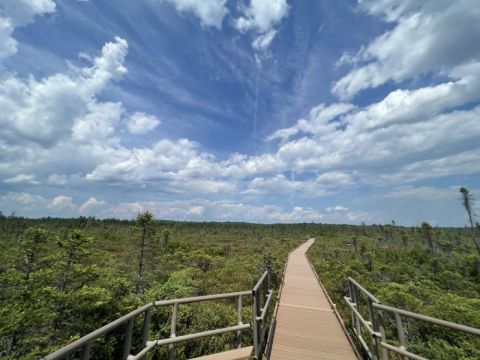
251,110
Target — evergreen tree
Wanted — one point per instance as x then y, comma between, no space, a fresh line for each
144,222
467,204
73,248
30,247
427,233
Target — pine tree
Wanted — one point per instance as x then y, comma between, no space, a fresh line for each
426,230
74,247
467,204
144,222
30,247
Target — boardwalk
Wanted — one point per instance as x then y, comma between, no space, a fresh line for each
307,327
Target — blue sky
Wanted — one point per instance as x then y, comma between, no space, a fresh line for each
255,110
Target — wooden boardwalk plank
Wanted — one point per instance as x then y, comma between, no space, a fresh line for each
307,327
237,354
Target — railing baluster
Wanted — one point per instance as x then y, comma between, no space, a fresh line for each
381,328
265,289
146,326
173,331
356,294
127,344
400,332
352,299
86,351
240,316
256,330
375,344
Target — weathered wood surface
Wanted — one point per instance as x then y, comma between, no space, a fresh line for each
237,354
307,327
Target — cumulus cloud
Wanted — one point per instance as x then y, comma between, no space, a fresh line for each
92,205
36,205
210,13
428,37
140,123
196,211
319,120
8,46
322,185
410,133
45,111
223,209
24,199
47,122
22,178
228,210
336,147
336,208
261,16
16,13
61,202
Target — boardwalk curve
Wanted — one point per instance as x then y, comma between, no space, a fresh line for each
307,327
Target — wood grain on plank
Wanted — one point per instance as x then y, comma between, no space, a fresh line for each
307,327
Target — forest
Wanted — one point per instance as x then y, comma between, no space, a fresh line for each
63,278
431,271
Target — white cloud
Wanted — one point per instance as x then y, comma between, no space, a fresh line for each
462,163
336,208
56,131
45,111
29,204
99,123
22,12
263,41
424,193
22,198
16,13
61,202
57,180
261,16
210,12
319,120
141,123
321,185
92,205
196,211
428,37
22,178
8,46
226,210
385,140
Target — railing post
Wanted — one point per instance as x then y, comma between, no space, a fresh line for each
356,294
173,332
127,344
240,316
400,332
86,351
352,299
265,289
256,330
373,321
146,326
381,328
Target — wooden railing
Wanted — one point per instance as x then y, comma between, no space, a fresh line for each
375,322
261,295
